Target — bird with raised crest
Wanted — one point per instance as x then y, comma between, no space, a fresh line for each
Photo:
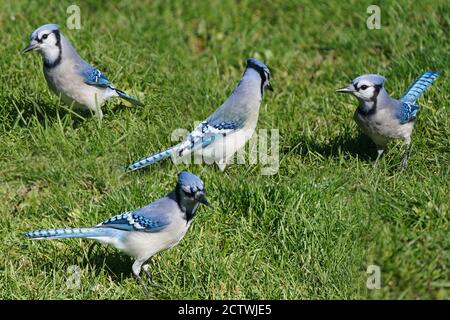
384,118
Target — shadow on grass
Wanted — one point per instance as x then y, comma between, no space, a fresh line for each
115,264
361,147
23,111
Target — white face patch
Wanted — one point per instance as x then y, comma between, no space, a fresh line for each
47,40
49,46
365,90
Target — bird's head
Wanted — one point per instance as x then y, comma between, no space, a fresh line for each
190,192
366,88
44,38
264,73
47,41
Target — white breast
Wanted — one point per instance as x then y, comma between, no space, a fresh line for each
225,148
146,244
65,81
383,126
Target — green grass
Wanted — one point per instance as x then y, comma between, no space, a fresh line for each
308,232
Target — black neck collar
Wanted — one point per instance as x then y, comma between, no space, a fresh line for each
189,212
261,72
50,65
370,111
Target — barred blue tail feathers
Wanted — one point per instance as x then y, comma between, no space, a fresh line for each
418,87
68,233
128,98
151,159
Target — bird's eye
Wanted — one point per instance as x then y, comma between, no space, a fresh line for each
45,36
364,87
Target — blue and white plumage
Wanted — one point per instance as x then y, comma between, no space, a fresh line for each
146,231
383,118
228,128
68,75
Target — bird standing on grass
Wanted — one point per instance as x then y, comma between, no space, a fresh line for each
68,75
144,232
228,128
383,118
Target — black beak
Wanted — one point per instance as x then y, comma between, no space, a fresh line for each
30,48
269,87
201,197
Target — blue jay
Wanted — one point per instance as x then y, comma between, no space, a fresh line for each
228,128
383,118
68,75
144,232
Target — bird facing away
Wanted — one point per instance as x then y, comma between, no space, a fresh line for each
146,231
383,118
228,129
75,81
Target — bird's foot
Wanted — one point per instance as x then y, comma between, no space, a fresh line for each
403,165
144,287
150,277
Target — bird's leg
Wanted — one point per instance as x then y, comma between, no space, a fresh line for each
149,276
136,268
404,164
99,114
98,109
144,287
380,151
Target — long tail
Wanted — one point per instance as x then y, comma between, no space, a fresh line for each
418,87
123,95
144,162
69,233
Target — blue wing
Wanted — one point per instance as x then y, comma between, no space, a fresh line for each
407,112
206,133
416,89
94,77
151,218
